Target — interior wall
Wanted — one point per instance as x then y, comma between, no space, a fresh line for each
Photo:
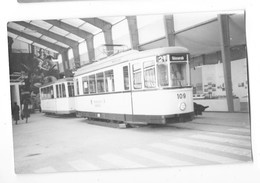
211,78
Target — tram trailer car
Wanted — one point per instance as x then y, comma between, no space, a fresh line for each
58,97
146,87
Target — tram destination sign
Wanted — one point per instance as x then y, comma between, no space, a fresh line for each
179,57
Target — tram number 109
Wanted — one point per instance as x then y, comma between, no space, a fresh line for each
181,95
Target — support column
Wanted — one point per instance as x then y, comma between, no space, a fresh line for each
10,53
76,56
169,30
109,40
133,30
225,54
10,43
65,62
15,93
91,50
203,59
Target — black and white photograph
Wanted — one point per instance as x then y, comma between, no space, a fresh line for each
46,1
129,92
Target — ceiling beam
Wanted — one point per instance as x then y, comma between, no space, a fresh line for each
81,33
106,27
37,40
72,43
50,34
97,22
74,30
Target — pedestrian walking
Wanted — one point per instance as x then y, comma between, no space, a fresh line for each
15,112
25,110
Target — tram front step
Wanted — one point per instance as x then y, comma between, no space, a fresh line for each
136,122
107,124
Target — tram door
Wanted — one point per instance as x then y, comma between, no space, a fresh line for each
128,91
56,97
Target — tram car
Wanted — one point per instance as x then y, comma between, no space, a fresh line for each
58,97
136,87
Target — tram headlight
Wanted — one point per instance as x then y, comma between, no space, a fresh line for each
182,106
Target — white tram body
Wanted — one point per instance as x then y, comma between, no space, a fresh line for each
58,97
148,87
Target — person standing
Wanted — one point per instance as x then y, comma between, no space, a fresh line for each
15,112
25,109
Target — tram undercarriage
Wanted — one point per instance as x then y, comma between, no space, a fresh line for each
133,120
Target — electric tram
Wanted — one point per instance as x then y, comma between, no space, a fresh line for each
136,87
58,97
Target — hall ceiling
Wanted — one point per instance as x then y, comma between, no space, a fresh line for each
63,33
59,35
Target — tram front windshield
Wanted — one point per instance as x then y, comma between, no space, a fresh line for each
178,74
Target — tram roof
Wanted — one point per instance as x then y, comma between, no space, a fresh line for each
57,81
128,56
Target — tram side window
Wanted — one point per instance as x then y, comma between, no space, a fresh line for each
57,91
71,89
85,85
162,74
51,92
126,78
41,93
109,81
47,92
63,90
77,86
100,82
92,83
60,91
149,74
137,76
44,93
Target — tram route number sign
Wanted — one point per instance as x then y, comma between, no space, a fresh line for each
181,95
172,57
162,59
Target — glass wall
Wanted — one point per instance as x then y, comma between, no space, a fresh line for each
100,50
150,28
121,35
83,52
